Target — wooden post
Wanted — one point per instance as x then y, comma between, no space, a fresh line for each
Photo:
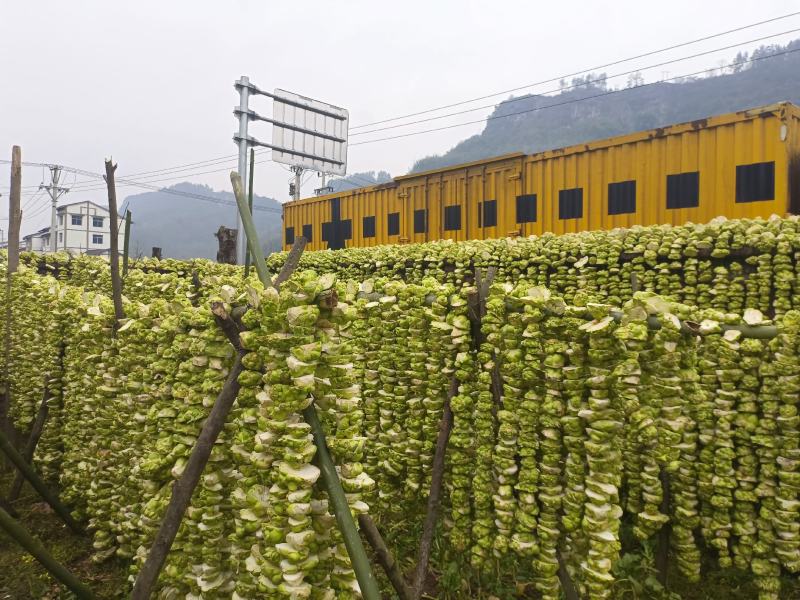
250,205
14,214
385,558
437,477
33,440
226,254
662,547
47,495
14,222
127,243
156,253
116,282
292,261
567,585
56,569
184,487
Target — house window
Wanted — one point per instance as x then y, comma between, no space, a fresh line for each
755,182
60,237
683,190
97,238
60,219
526,208
307,231
77,219
420,221
487,213
97,221
289,236
622,198
452,218
368,227
570,203
393,223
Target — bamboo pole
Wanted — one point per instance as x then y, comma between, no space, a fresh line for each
47,495
341,510
35,549
250,205
347,526
250,230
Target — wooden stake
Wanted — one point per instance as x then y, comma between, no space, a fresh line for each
14,213
32,545
47,495
662,548
567,586
385,558
14,221
437,477
184,487
33,440
126,243
116,282
292,261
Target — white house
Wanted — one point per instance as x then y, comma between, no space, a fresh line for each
80,227
37,242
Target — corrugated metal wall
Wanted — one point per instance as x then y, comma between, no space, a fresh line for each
573,183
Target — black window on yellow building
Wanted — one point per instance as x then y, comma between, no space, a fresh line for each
683,190
289,236
307,232
570,203
526,208
452,218
622,198
487,213
755,182
393,224
368,227
420,221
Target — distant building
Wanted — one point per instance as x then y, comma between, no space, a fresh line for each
81,227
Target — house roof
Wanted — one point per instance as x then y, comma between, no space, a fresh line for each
65,206
41,232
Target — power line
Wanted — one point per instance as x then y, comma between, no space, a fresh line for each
574,86
555,79
127,182
572,101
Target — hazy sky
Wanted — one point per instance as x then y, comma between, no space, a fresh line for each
151,82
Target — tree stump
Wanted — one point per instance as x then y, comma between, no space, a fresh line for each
227,245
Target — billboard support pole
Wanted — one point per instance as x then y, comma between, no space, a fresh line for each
298,175
243,114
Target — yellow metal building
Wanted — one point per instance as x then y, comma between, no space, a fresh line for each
740,165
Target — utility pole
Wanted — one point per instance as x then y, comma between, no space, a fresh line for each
243,114
55,192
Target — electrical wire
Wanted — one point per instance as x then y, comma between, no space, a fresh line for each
131,183
576,73
574,86
572,101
